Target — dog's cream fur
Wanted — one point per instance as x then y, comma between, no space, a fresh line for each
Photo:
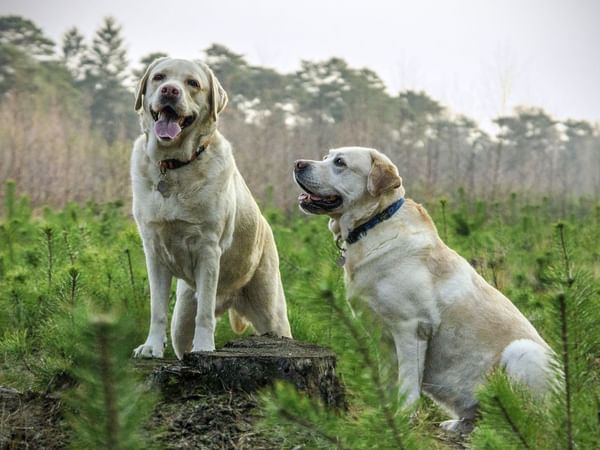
208,231
450,327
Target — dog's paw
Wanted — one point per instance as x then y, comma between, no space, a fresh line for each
204,341
149,350
206,347
462,426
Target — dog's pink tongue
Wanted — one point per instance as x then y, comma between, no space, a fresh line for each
167,128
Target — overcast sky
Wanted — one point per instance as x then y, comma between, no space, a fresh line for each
479,57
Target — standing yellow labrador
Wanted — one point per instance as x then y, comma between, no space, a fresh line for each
450,327
197,218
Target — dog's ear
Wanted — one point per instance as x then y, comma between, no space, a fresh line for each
383,176
217,95
141,87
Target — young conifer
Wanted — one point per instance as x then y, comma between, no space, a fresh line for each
567,418
108,407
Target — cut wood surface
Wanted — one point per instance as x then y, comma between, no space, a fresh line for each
249,364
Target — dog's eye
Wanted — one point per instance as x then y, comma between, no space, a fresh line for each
158,77
193,83
339,162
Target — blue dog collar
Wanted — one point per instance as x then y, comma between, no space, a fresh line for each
361,231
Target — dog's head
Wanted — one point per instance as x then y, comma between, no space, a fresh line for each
179,101
348,178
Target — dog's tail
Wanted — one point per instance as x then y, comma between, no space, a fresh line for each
529,363
238,323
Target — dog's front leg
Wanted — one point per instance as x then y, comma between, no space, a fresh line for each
410,351
207,278
160,285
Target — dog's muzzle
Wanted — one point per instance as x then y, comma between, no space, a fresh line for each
169,122
312,200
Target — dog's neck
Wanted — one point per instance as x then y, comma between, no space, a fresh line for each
172,164
343,225
184,151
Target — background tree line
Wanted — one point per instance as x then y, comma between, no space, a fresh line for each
67,124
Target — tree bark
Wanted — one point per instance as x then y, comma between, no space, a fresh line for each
252,363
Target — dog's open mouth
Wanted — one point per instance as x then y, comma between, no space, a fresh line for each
318,203
168,124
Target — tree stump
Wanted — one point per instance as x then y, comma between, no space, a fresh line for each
251,363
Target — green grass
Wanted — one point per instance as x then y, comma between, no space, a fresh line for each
55,264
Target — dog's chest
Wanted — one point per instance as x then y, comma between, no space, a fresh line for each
176,227
191,202
176,244
184,214
392,281
156,208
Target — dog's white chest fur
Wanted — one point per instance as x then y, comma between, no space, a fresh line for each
396,293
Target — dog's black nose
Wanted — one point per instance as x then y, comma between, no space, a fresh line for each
169,90
300,165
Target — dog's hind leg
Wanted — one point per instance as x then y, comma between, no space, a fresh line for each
465,424
526,362
263,301
184,319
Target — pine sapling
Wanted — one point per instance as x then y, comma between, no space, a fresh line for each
443,203
48,233
110,406
73,287
130,269
69,248
566,417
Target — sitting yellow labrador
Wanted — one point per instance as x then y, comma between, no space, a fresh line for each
197,219
450,327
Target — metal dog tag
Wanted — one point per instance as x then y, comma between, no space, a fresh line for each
163,188
341,260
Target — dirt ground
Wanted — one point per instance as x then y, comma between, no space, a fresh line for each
31,421
204,421
224,421
221,421
206,402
